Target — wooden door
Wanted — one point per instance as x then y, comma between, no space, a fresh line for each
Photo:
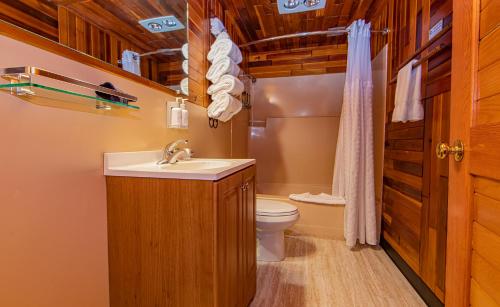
249,248
229,213
473,250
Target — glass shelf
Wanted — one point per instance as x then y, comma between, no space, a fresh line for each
31,90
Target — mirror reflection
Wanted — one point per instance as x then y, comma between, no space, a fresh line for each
144,37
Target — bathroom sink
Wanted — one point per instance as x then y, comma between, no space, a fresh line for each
197,164
143,164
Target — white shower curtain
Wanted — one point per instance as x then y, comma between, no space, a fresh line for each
353,174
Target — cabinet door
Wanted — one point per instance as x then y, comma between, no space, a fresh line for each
249,249
229,214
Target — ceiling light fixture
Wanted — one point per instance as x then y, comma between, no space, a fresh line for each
162,24
291,4
170,23
155,26
299,6
311,3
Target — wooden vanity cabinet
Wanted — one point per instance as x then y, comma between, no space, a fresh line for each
182,242
236,239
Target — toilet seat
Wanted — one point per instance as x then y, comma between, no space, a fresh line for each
267,207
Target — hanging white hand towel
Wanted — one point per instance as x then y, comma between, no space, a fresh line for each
131,62
407,104
185,67
222,67
225,47
227,84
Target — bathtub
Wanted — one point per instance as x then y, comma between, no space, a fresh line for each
316,220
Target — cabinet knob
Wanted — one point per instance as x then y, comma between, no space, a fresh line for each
244,187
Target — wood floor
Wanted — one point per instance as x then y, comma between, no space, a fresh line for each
322,273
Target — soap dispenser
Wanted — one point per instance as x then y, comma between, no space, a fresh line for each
184,114
176,114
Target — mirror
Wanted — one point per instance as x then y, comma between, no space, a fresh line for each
142,36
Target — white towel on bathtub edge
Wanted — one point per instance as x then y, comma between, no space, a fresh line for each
321,198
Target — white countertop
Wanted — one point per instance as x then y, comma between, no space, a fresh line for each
143,164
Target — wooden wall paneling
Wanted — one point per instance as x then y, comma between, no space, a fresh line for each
432,267
423,179
199,44
37,16
200,40
484,137
299,61
378,16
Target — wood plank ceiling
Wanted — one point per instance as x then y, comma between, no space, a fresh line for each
260,19
122,17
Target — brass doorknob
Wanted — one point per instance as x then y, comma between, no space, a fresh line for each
443,150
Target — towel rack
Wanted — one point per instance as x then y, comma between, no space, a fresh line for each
427,45
425,58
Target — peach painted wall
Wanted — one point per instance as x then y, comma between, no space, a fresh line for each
53,237
295,150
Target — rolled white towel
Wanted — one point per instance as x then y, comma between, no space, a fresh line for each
221,104
321,198
185,67
223,66
235,106
222,35
225,47
185,51
227,84
185,86
217,107
216,26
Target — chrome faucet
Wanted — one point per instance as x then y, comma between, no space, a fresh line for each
180,155
171,154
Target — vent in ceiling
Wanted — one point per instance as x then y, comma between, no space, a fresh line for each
298,6
162,24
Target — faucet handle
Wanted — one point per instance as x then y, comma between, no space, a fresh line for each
189,153
172,146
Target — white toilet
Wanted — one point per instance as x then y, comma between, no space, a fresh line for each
273,217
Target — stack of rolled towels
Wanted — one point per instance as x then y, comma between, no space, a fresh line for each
185,69
225,56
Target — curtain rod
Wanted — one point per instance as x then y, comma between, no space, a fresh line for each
161,51
329,32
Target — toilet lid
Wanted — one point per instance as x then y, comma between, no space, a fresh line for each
269,207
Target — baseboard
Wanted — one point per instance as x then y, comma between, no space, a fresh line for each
418,284
332,233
